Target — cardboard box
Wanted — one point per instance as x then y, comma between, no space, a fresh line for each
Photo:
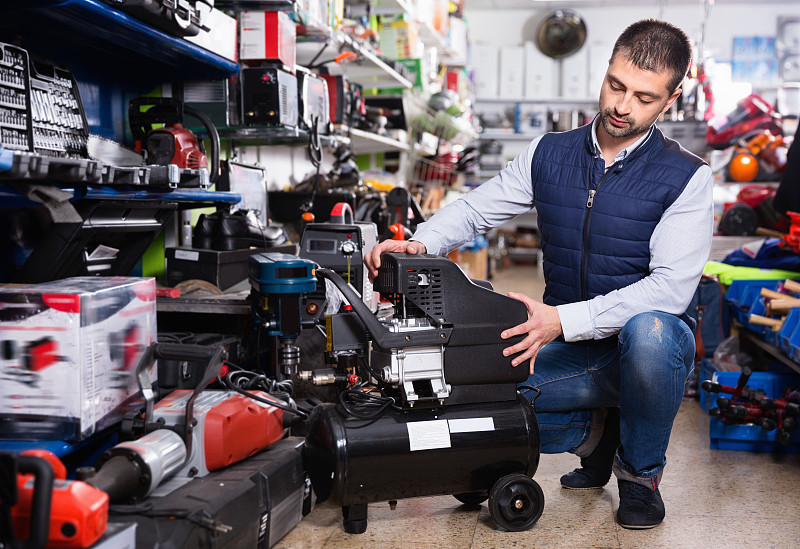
457,41
268,36
475,263
540,74
399,39
599,54
70,348
485,59
575,76
221,37
512,72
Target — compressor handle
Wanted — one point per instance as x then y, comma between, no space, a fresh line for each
380,334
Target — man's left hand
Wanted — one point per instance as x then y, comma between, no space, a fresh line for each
543,326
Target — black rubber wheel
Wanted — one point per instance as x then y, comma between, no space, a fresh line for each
516,502
471,499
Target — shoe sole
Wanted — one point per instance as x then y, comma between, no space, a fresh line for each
638,527
584,489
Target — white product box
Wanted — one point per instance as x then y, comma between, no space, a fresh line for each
457,41
425,11
575,76
399,39
70,348
268,35
485,59
512,72
599,54
540,74
221,37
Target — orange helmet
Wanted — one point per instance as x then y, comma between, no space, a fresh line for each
743,167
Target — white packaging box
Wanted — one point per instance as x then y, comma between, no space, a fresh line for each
424,11
221,36
485,60
512,72
457,41
599,54
268,35
575,75
540,74
70,349
399,40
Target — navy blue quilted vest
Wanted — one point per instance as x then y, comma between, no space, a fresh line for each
595,226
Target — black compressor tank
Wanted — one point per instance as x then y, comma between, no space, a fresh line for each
475,452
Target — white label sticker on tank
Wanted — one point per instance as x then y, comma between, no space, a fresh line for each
471,425
428,435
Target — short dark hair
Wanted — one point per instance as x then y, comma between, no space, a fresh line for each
655,45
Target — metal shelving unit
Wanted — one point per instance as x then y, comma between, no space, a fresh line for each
362,142
92,36
368,69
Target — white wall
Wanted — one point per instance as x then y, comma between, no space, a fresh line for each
513,27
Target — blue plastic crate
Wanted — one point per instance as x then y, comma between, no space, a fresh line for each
788,329
744,299
707,371
752,437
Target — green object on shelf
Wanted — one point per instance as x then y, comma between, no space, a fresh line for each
414,68
728,273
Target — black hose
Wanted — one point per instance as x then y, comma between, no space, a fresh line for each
42,499
213,136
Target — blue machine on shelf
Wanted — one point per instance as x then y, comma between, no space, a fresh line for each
278,283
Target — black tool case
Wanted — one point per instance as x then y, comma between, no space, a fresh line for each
249,505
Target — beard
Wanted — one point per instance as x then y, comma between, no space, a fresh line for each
631,130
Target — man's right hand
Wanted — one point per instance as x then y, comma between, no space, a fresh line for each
373,259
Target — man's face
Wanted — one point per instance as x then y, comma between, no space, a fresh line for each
631,99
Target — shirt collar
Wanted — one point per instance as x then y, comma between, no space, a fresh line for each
624,152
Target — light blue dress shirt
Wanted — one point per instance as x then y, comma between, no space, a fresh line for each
679,246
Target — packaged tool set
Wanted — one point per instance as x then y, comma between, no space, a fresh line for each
44,134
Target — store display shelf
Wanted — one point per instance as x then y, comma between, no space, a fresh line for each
773,351
92,32
560,101
368,69
388,7
505,135
269,135
276,5
363,142
12,197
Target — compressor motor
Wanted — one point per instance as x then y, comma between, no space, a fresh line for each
443,415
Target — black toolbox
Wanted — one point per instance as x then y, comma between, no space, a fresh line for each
249,505
222,268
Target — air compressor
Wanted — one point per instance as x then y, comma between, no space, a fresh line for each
441,413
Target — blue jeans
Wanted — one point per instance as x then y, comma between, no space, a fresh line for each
642,371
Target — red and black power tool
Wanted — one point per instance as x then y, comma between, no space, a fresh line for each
751,211
46,509
751,117
173,144
746,405
188,433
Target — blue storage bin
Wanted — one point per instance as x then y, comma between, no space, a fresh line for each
788,329
752,437
707,371
744,298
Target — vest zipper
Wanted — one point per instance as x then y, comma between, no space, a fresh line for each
588,217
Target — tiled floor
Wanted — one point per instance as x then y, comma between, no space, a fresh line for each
713,498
